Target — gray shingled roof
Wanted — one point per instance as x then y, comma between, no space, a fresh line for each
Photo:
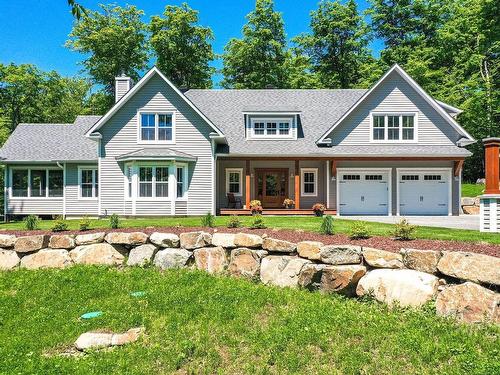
51,142
396,150
156,153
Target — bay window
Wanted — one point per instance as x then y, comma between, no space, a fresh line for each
37,183
393,127
164,181
146,182
156,127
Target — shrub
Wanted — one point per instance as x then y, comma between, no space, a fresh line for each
359,231
327,225
208,220
404,231
114,221
234,222
60,225
258,222
84,223
31,222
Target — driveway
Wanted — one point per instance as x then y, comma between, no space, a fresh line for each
454,222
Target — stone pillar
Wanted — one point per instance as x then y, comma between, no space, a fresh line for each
490,201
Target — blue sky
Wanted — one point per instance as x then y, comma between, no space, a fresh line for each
34,31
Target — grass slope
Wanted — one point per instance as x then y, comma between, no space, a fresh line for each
308,223
197,323
472,190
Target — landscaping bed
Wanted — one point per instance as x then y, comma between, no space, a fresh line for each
379,242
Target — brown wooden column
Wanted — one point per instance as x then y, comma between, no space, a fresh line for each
247,184
492,165
297,185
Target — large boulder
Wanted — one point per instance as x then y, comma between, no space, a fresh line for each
8,260
469,302
246,262
279,246
421,260
282,270
7,240
141,255
405,287
310,249
62,241
165,239
340,254
195,240
224,239
248,240
172,258
382,259
469,266
47,258
28,244
96,340
211,259
89,238
467,201
125,238
310,275
98,254
341,279
471,210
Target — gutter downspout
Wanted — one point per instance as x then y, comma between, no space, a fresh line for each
63,167
5,188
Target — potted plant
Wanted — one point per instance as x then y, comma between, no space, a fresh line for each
319,209
288,203
256,207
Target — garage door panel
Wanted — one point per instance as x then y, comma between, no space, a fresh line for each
364,193
423,193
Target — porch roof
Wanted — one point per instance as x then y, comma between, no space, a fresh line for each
157,153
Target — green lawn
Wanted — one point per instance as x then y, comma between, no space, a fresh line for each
197,323
472,190
308,223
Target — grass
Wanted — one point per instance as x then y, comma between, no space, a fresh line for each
307,223
472,190
197,323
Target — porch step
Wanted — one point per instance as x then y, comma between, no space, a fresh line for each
275,211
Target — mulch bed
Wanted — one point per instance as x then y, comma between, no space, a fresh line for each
379,242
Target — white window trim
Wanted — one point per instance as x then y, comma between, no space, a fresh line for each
156,141
362,170
386,132
172,181
29,197
302,181
292,134
93,169
240,172
449,171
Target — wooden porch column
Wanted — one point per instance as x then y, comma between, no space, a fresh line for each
492,165
247,184
297,185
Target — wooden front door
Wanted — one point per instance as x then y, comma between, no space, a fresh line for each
271,187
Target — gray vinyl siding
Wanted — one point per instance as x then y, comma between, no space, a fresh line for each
394,182
76,206
395,95
35,206
119,136
305,202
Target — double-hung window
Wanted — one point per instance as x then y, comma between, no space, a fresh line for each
37,183
180,181
309,182
233,180
156,127
393,128
89,186
153,182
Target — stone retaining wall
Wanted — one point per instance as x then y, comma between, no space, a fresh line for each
463,285
470,206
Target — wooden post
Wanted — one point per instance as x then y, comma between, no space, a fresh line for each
457,167
247,184
334,168
491,165
297,185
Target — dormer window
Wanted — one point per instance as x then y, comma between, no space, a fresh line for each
393,127
272,128
156,127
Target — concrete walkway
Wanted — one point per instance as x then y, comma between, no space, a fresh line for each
454,222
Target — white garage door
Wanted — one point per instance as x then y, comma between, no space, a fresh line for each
424,192
363,193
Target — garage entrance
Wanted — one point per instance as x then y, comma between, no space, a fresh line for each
424,192
363,192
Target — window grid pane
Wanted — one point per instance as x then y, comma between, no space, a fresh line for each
165,127
147,127
393,128
180,182
284,128
271,128
20,183
38,183
55,183
146,182
259,128
309,182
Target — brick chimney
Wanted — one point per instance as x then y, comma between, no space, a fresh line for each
122,85
492,165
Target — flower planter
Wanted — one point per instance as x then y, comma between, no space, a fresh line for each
318,213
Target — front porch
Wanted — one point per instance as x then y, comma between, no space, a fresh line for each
274,212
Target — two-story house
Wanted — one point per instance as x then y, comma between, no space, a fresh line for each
389,150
